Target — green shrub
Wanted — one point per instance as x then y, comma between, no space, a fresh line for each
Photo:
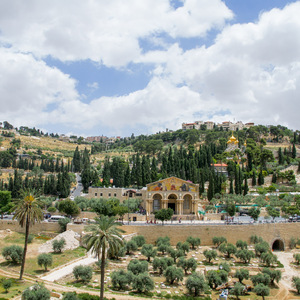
70,296
51,209
36,292
30,238
6,283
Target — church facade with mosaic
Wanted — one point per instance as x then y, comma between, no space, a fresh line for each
179,195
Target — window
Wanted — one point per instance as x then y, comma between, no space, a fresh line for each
109,194
115,194
95,194
156,205
186,204
101,194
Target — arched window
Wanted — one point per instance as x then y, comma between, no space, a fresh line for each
156,202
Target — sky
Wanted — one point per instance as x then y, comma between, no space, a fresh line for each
114,68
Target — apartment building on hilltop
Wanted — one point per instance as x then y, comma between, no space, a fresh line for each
209,125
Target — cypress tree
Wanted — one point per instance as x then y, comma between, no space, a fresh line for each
154,176
274,177
106,171
253,177
146,176
139,178
246,189
280,157
294,151
76,161
260,178
127,179
211,188
231,186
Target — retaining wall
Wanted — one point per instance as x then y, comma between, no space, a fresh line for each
35,229
179,233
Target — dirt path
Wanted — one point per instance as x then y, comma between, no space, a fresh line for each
62,288
289,272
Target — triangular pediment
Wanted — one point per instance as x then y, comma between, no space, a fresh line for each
172,184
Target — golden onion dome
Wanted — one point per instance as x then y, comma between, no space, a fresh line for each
232,139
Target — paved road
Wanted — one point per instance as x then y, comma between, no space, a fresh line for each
78,189
68,269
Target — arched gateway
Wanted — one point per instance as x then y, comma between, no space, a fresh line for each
278,245
180,195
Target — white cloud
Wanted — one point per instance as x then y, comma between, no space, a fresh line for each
252,70
250,73
103,31
28,88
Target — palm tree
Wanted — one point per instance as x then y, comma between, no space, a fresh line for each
102,236
27,212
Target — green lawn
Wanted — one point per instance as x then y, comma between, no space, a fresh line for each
32,268
15,290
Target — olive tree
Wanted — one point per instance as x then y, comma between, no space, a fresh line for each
44,260
196,284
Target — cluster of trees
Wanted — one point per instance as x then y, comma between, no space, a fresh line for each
146,144
194,165
58,184
108,207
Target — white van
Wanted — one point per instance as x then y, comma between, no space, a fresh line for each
55,218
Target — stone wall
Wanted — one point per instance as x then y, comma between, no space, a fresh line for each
268,232
35,229
179,233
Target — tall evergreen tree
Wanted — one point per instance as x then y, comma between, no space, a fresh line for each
261,180
280,157
211,188
294,151
253,177
154,175
246,188
76,160
231,186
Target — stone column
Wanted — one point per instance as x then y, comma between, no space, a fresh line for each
194,206
180,206
164,203
149,206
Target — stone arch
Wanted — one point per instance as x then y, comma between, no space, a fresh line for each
187,203
157,203
172,198
172,202
278,244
